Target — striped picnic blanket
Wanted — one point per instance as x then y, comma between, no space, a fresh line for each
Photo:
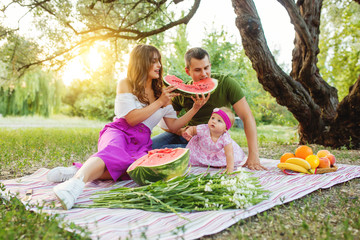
135,224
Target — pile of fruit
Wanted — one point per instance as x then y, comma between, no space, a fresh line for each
305,161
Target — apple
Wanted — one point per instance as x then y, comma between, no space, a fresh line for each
324,162
332,159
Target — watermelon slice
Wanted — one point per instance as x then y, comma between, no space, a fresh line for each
159,164
204,86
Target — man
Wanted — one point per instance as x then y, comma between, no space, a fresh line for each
228,92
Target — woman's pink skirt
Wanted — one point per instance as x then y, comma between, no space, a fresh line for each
120,145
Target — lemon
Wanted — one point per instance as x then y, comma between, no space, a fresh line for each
313,160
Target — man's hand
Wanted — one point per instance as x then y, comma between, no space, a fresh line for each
199,100
253,163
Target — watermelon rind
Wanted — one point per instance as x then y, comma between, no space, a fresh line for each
143,175
188,93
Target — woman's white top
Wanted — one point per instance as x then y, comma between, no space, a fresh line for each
125,102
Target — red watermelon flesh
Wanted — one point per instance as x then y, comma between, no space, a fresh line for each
204,86
157,157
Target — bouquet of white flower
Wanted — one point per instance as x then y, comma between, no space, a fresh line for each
187,193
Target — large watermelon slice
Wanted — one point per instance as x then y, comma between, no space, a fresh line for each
159,164
204,86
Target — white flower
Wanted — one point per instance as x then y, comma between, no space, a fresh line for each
237,203
207,188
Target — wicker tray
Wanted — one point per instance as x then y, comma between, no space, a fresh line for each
326,170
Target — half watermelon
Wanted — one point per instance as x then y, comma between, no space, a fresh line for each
204,86
159,164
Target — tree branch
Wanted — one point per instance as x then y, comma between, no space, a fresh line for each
104,33
270,75
299,24
53,14
147,15
183,20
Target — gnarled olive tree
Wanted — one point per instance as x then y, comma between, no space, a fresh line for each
313,102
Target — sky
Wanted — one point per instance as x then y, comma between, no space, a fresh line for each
279,32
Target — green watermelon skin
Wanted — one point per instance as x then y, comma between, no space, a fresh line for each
174,168
188,90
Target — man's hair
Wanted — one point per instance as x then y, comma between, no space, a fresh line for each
197,53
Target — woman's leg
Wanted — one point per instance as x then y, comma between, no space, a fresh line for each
67,192
61,174
94,168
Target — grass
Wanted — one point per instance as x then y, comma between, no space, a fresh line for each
19,223
27,144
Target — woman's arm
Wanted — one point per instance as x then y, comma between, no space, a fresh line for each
229,153
175,124
137,116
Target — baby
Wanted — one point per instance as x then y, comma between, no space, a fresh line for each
211,144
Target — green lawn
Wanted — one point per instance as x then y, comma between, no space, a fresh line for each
28,144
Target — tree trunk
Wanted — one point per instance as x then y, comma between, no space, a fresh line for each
314,103
345,129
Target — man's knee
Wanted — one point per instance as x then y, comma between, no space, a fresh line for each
166,138
162,139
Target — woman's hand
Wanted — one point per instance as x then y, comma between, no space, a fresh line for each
199,101
167,95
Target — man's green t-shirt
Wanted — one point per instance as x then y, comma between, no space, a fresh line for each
227,93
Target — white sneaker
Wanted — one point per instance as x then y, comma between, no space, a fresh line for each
67,192
61,174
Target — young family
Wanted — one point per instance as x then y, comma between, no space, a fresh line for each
142,102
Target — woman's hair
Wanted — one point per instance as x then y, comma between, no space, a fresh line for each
197,53
230,114
139,64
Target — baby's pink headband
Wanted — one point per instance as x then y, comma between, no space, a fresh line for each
224,116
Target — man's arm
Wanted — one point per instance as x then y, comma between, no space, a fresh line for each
243,110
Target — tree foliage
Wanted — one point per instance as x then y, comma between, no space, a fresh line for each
67,26
339,57
36,92
94,96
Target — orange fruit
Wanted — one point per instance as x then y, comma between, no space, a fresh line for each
303,151
286,156
313,160
322,153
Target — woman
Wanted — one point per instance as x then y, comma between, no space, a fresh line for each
140,104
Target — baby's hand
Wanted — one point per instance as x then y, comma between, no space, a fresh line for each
186,135
228,171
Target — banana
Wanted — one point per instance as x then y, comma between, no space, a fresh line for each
299,161
292,167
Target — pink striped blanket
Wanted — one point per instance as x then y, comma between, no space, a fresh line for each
134,224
